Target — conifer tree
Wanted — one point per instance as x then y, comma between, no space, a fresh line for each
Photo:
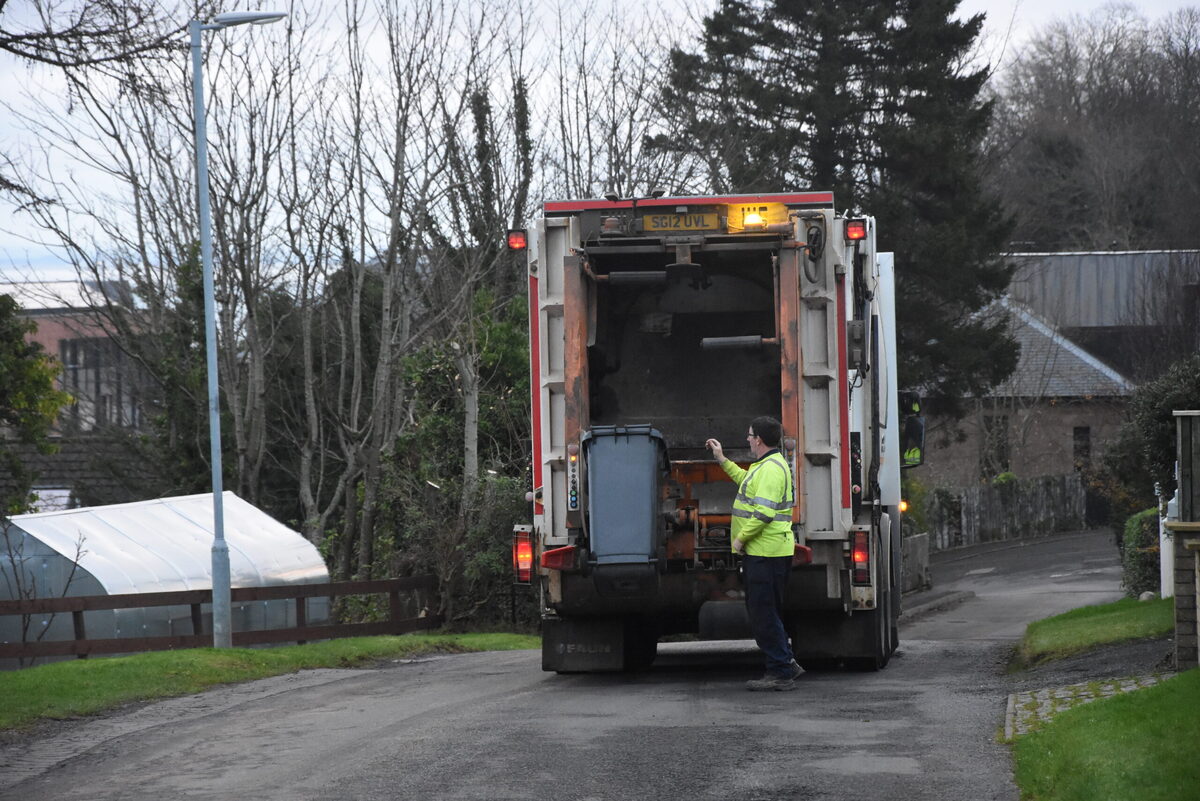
872,102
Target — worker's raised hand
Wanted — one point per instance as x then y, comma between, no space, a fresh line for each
715,446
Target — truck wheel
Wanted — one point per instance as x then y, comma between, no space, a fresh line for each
879,659
881,636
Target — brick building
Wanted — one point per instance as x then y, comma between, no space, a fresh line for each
104,383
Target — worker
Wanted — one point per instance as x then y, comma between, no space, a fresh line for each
912,435
762,532
913,440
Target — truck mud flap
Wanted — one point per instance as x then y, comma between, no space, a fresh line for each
583,646
587,645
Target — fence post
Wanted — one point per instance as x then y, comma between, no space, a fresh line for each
301,616
80,631
394,611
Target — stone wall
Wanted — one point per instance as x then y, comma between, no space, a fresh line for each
1040,440
914,573
1016,509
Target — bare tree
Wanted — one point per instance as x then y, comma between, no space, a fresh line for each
1096,133
606,104
98,35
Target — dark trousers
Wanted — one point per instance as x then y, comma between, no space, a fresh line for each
766,578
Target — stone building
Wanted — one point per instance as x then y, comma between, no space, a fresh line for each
1091,325
1050,417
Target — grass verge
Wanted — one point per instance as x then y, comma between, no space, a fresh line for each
86,686
1137,745
1091,626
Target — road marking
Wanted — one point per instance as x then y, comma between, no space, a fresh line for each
981,571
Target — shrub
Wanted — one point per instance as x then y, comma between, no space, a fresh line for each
1139,567
1151,410
915,520
1004,478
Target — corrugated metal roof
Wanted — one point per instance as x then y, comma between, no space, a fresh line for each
1052,366
1101,288
166,544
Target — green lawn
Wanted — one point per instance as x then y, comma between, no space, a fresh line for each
1091,626
1141,745
85,686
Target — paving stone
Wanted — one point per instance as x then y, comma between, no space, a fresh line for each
1029,711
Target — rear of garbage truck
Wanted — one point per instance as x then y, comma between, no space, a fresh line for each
657,323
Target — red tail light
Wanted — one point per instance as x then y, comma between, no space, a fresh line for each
860,555
856,229
522,555
516,239
559,558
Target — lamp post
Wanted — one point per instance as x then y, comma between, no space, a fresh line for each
222,613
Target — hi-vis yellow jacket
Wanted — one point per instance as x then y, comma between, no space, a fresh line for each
762,510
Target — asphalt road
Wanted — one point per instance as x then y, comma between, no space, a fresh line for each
493,726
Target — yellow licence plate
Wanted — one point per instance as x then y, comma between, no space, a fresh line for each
680,222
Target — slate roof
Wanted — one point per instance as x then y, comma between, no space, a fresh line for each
95,467
1052,366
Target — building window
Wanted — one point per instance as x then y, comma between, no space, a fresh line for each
1081,450
53,499
994,454
104,385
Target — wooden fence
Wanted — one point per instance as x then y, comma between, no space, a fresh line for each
81,646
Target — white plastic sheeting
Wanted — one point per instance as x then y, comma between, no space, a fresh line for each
163,545
166,544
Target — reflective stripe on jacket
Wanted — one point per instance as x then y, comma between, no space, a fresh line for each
762,510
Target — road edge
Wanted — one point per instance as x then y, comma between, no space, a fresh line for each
937,603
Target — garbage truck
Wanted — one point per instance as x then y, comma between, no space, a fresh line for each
658,322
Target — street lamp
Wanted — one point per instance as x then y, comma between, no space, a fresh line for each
222,613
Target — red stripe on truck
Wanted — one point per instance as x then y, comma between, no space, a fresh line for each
811,198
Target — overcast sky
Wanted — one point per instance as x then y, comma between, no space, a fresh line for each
1008,24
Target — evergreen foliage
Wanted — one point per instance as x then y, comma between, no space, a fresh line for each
1143,455
1151,410
873,103
1139,556
435,522
29,401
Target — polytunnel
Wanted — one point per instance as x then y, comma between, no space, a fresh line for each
160,545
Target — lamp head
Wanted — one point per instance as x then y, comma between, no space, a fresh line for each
230,18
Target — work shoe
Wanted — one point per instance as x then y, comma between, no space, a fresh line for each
771,682
797,671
